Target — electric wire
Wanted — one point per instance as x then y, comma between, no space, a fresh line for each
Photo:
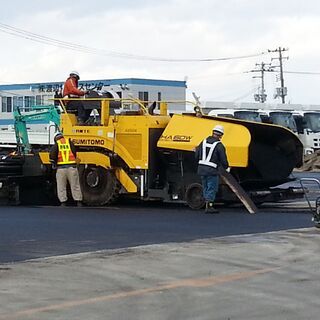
290,72
5,28
302,72
246,94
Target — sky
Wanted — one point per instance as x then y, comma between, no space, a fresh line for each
167,39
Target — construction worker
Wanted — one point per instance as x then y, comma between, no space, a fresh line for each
70,90
63,157
211,154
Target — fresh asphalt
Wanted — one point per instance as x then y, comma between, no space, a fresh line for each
169,262
36,232
29,232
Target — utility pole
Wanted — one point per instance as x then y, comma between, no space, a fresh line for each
282,91
261,95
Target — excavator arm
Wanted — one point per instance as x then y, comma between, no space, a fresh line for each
42,113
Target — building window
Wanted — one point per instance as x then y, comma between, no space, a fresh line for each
46,99
17,102
9,104
144,96
38,100
29,101
6,105
159,99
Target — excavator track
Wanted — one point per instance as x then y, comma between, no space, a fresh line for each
11,165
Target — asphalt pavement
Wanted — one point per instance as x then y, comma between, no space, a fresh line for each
34,232
266,275
157,261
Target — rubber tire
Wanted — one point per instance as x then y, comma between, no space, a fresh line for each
194,196
316,217
104,186
317,224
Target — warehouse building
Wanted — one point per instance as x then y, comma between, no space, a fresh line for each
28,94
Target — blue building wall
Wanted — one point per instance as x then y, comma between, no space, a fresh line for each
103,82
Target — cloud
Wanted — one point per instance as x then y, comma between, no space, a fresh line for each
167,29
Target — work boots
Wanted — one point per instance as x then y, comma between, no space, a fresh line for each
209,208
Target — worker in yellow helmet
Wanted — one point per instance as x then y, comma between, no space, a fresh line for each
63,156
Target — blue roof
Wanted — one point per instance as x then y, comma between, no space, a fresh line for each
106,82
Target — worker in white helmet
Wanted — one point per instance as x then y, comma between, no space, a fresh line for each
211,154
63,156
70,90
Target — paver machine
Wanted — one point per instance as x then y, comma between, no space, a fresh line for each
146,153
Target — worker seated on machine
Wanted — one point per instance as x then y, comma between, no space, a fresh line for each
70,90
83,108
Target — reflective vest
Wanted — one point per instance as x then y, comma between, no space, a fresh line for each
65,155
206,157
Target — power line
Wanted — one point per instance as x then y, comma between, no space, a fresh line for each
246,94
5,28
302,72
290,72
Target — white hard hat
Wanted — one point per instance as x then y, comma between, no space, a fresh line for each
218,128
75,73
58,135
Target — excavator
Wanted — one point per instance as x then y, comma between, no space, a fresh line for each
148,154
21,171
42,113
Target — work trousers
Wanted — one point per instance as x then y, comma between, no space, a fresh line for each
210,185
71,175
82,113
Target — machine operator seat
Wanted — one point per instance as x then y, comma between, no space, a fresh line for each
91,104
